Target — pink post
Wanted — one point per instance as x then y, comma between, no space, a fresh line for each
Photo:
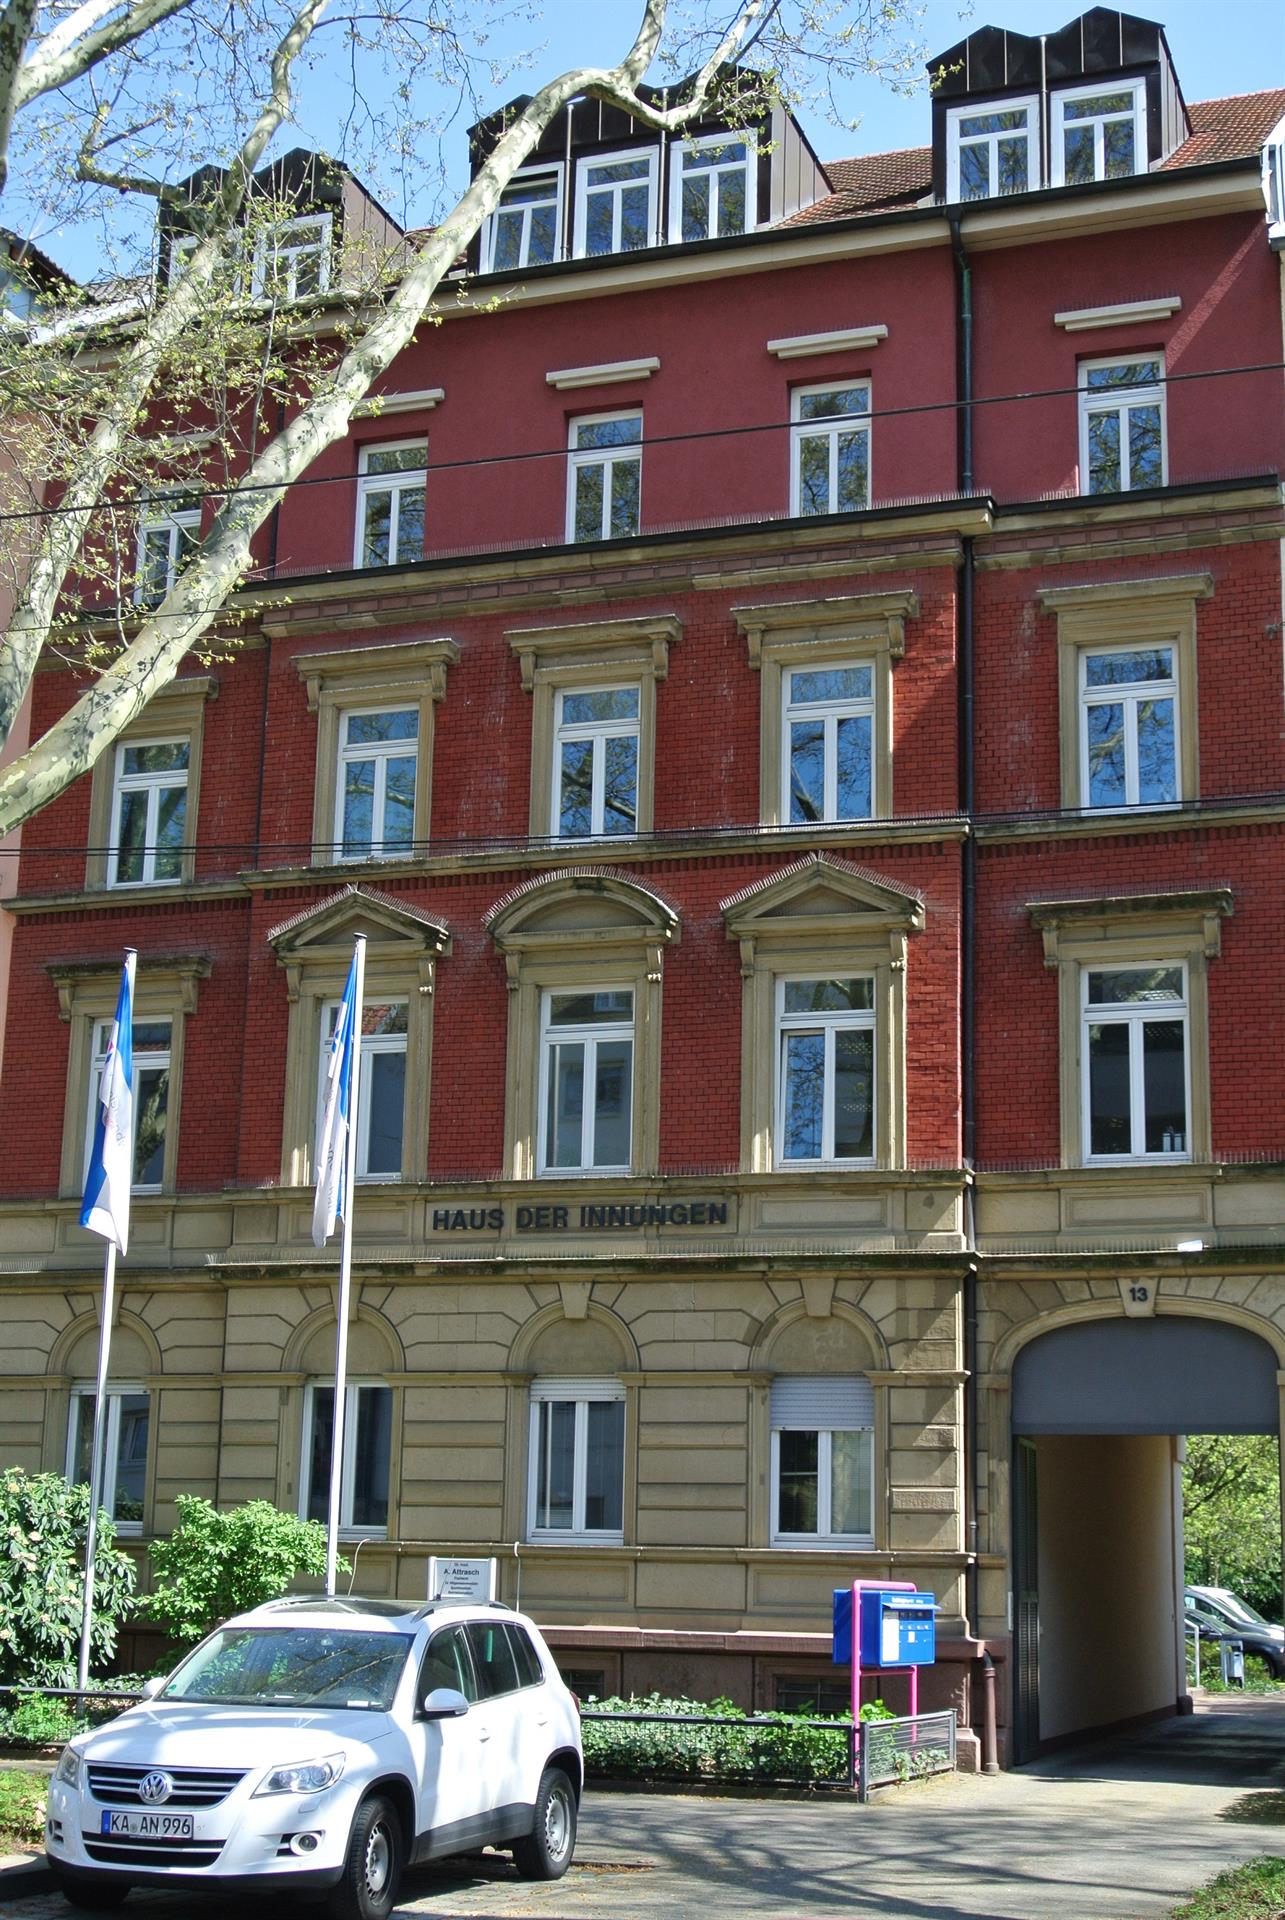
873,1586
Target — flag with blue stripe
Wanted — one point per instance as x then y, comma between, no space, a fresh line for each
332,1139
110,1173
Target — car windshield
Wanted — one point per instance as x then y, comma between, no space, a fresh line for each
1240,1610
293,1667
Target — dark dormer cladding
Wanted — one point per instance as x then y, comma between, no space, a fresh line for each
600,182
1012,112
328,230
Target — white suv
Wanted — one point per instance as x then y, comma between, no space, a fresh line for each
325,1743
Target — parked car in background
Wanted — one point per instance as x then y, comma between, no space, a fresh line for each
323,1744
1221,1615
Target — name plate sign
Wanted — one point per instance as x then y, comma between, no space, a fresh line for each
590,1217
461,1579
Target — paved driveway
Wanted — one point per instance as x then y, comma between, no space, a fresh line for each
1119,1834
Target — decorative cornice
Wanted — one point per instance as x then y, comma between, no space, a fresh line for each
784,621
1125,314
182,971
803,346
358,666
610,373
420,400
1170,586
1208,906
541,646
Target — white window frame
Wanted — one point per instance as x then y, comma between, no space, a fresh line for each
1135,1016
380,751
955,117
597,733
348,1528
581,1393
588,1036
116,1392
555,169
1119,400
1130,695
182,245
859,1020
606,457
829,427
182,525
371,1044
825,1536
748,166
581,224
276,242
159,1059
829,712
152,784
1274,180
402,480
1058,126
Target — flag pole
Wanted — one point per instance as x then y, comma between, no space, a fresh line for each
96,1460
106,1211
345,1270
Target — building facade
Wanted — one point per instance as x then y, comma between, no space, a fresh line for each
793,698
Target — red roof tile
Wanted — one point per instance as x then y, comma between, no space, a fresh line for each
1230,129
1233,128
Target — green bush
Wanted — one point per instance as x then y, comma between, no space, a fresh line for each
34,1721
736,1749
42,1582
22,1809
216,1564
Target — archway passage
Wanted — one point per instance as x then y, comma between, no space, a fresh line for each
1098,1411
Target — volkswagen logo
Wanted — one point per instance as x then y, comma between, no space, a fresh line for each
154,1788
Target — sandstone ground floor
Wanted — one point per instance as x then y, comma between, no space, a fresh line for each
675,1463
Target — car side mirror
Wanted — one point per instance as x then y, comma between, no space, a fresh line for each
153,1686
444,1703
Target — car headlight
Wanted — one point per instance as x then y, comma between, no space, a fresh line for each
69,1767
302,1776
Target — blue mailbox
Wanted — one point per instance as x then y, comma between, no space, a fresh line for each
898,1629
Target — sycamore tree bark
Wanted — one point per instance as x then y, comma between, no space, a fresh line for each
149,654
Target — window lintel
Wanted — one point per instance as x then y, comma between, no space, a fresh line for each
1113,593
644,641
617,912
410,667
91,985
1198,911
401,935
868,619
821,902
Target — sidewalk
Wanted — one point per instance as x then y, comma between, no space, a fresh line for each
1121,1832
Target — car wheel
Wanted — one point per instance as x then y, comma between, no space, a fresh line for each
94,1895
546,1852
367,1889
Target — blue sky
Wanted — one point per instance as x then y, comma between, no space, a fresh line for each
1233,47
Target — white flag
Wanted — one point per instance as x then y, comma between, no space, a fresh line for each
332,1140
110,1173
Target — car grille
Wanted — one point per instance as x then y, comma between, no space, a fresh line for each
134,1850
193,1786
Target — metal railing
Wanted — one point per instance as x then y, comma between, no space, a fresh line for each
761,1748
894,1751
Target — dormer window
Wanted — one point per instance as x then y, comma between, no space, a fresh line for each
524,229
1099,133
710,187
616,203
292,258
993,150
